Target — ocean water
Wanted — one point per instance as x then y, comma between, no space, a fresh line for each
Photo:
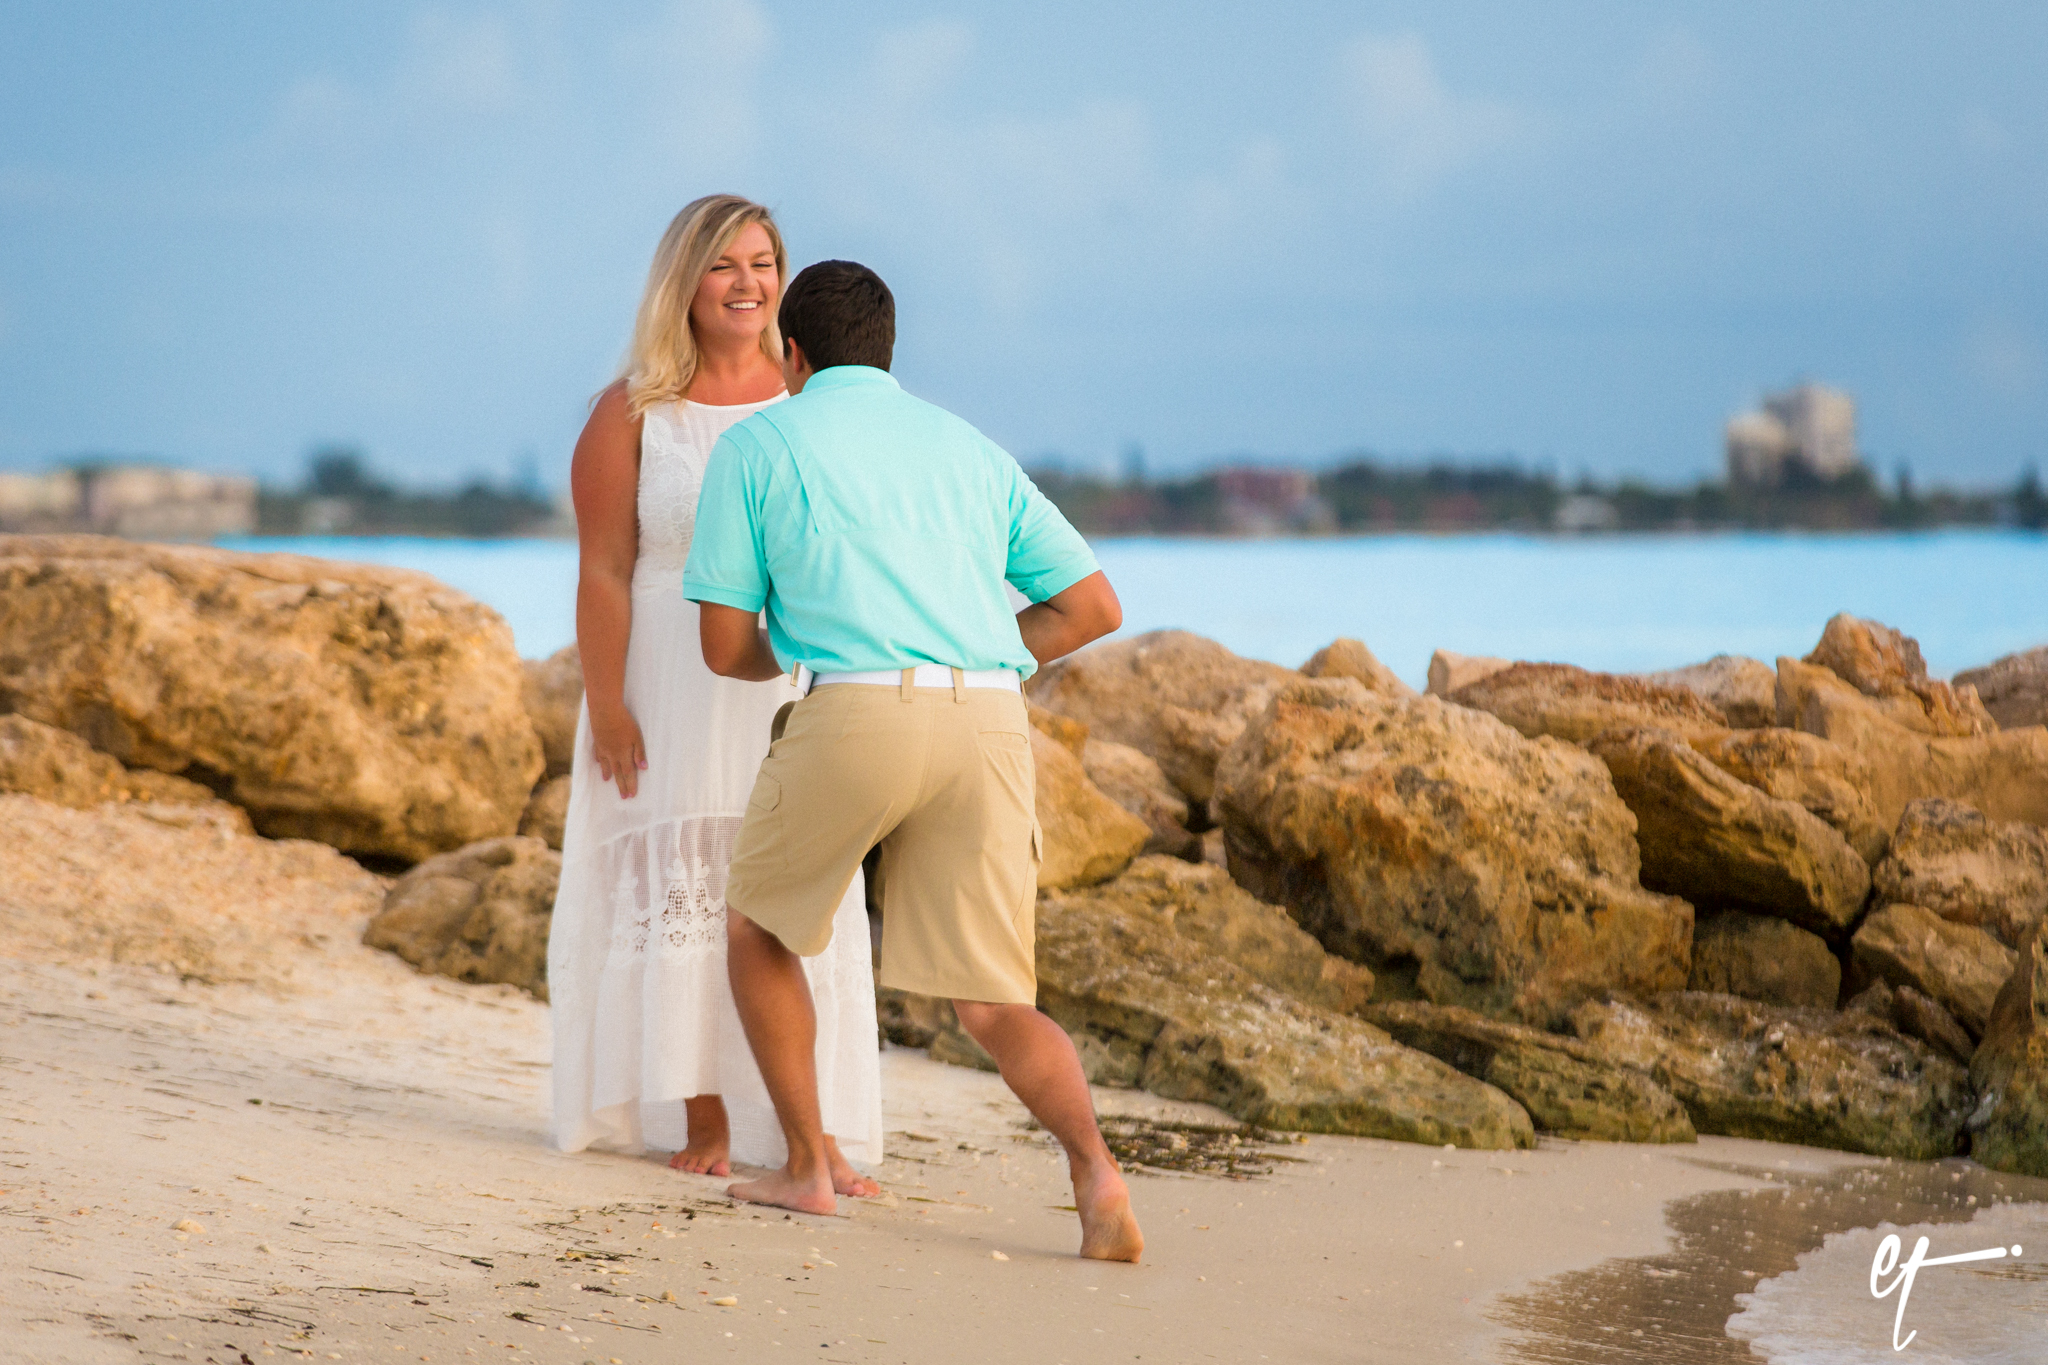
1611,603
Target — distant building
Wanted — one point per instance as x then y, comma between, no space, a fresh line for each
1263,502
1811,428
140,502
1579,513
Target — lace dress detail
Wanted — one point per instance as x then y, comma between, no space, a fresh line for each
643,1013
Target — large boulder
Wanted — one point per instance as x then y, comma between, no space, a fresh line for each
1916,1016
186,889
1345,657
1956,965
553,692
1153,1005
2009,1131
480,913
2014,689
1885,665
547,814
1742,689
1824,777
1718,841
1825,1078
372,709
1176,696
1762,957
1573,704
2003,774
1448,672
1567,1089
1130,778
56,765
1087,837
1433,841
1966,868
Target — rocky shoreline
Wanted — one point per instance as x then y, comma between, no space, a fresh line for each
1800,902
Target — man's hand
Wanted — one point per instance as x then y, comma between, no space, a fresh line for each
1067,620
734,644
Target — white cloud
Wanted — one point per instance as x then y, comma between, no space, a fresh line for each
1412,126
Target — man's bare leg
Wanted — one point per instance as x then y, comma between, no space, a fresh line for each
775,1009
1040,1065
710,1141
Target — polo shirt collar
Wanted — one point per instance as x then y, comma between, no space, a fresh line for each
846,376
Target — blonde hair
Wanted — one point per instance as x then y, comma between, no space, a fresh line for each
663,357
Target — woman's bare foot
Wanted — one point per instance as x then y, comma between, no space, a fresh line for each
710,1141
845,1179
786,1191
1109,1230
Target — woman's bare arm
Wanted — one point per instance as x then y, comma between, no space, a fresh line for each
604,478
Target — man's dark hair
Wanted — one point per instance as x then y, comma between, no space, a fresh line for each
841,313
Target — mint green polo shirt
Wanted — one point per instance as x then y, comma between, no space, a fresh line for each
877,531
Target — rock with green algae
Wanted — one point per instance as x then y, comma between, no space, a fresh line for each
1846,1080
1567,1088
2009,1130
1762,957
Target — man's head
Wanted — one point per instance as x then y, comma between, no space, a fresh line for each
837,313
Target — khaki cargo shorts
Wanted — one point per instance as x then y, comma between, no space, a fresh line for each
942,780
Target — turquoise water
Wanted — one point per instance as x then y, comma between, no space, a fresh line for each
1620,603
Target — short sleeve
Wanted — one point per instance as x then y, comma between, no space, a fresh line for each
1047,555
726,565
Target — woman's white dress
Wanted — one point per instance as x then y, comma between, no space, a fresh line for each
643,1013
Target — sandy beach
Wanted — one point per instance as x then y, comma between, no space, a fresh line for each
358,1170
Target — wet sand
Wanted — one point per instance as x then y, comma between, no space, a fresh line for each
358,1172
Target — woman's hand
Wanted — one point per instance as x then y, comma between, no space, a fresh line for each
616,744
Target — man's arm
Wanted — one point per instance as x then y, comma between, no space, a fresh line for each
1062,623
734,644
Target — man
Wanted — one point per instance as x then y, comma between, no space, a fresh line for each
877,531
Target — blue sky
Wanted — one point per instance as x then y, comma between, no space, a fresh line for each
1579,232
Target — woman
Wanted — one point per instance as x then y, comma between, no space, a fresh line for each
648,1047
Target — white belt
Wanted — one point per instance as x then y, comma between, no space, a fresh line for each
926,675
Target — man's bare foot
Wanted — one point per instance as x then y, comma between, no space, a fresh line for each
709,1144
785,1191
1109,1230
845,1179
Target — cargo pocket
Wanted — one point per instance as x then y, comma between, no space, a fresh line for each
767,794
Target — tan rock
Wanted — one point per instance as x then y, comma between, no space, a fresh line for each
1762,957
1449,672
1742,689
1572,704
1087,837
1130,778
369,708
56,765
1965,868
1071,734
547,812
183,888
2009,1131
1824,777
2014,689
553,692
1151,1005
1885,665
1345,657
1956,965
1432,840
1567,1089
2003,774
1916,1016
1175,696
1718,841
479,914
1825,1078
